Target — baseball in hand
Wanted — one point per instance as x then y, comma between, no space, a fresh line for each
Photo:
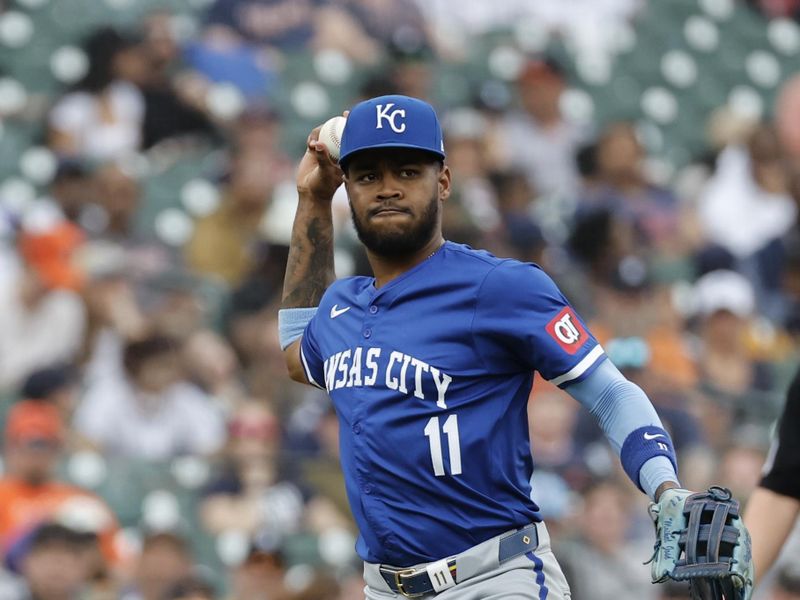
330,134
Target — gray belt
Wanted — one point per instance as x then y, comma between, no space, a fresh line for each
413,583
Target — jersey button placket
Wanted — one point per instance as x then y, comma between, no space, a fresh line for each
359,427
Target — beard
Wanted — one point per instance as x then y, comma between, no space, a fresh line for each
399,242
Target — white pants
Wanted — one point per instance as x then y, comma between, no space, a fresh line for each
532,576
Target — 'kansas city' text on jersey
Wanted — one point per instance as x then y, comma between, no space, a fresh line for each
430,377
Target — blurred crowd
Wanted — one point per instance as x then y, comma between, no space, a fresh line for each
154,447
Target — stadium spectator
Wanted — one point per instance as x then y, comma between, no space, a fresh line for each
728,371
623,186
741,462
42,318
30,492
169,112
258,132
538,138
319,465
115,315
392,24
224,242
193,588
600,562
521,235
255,491
71,190
633,305
466,131
282,26
252,331
551,420
746,208
56,385
101,119
260,576
212,365
118,195
151,412
164,562
51,566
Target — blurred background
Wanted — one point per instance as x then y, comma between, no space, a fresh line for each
645,153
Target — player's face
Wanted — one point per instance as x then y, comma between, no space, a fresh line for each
395,199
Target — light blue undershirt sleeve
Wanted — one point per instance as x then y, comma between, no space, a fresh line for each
292,322
621,407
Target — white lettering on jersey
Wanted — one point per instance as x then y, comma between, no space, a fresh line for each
391,382
355,370
441,385
330,366
383,113
343,369
403,371
360,367
372,364
419,367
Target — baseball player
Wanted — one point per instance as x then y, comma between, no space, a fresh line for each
429,365
773,507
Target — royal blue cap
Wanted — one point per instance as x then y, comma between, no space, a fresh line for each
391,122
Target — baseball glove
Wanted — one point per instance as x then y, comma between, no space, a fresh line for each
700,538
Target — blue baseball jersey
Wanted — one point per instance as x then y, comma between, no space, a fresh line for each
430,376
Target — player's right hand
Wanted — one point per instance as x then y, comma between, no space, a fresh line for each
318,175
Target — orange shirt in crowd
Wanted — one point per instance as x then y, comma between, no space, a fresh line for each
23,506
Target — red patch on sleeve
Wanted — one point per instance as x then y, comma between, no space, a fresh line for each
566,329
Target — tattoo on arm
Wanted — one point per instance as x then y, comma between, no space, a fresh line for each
309,269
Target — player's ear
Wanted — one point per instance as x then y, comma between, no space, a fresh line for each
444,182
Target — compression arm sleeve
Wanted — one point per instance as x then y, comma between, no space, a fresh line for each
631,425
292,322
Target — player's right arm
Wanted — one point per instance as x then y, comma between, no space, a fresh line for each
309,269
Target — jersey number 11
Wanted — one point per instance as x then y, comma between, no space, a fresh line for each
453,445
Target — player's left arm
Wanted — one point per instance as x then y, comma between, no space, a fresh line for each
631,425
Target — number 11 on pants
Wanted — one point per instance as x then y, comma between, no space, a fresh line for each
453,445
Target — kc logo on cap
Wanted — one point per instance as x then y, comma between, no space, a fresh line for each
383,113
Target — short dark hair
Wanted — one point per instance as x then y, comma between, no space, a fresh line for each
53,534
191,585
102,46
137,352
168,538
70,169
40,384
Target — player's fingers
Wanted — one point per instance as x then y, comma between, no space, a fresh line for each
346,114
313,137
323,157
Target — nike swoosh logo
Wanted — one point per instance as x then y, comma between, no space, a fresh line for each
335,311
647,436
